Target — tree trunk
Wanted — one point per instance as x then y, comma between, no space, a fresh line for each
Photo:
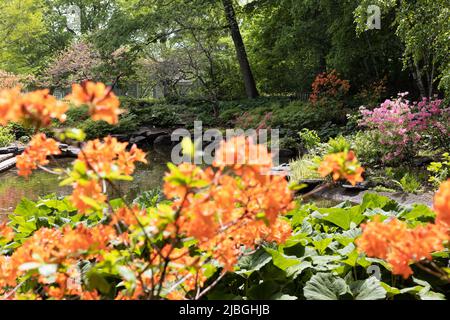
419,81
249,80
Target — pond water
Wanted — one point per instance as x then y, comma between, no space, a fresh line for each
13,187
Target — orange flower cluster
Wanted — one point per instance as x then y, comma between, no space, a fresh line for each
102,159
6,232
55,247
442,204
243,156
103,103
84,192
328,85
110,156
399,245
36,154
225,211
342,165
37,107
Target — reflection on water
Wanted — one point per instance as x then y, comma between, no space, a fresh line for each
13,188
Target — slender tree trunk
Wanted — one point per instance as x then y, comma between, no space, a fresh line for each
249,80
418,77
430,81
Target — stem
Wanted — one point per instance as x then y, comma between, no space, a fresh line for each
212,285
316,190
440,275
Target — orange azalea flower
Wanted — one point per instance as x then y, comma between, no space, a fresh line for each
127,216
225,210
342,165
110,155
442,203
6,232
10,109
86,191
240,152
173,188
36,154
176,295
399,245
41,107
38,107
55,246
103,103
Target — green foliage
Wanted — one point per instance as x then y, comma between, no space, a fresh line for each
338,144
303,168
325,286
48,212
149,198
439,171
310,138
20,130
366,146
6,136
321,262
408,183
318,262
76,115
404,178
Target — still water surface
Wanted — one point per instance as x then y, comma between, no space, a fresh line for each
40,183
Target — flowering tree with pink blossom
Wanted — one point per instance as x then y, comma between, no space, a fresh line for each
80,61
403,124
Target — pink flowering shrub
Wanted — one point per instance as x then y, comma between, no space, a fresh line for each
403,125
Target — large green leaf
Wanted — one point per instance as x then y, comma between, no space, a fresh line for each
369,289
26,208
375,201
325,286
249,264
293,266
344,218
419,212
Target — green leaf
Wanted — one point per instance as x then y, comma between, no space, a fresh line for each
390,291
369,289
59,205
282,261
292,265
419,211
325,286
373,201
344,218
26,208
91,202
352,258
322,245
119,177
97,281
188,147
263,291
117,203
254,262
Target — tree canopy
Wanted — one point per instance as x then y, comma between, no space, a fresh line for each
274,46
